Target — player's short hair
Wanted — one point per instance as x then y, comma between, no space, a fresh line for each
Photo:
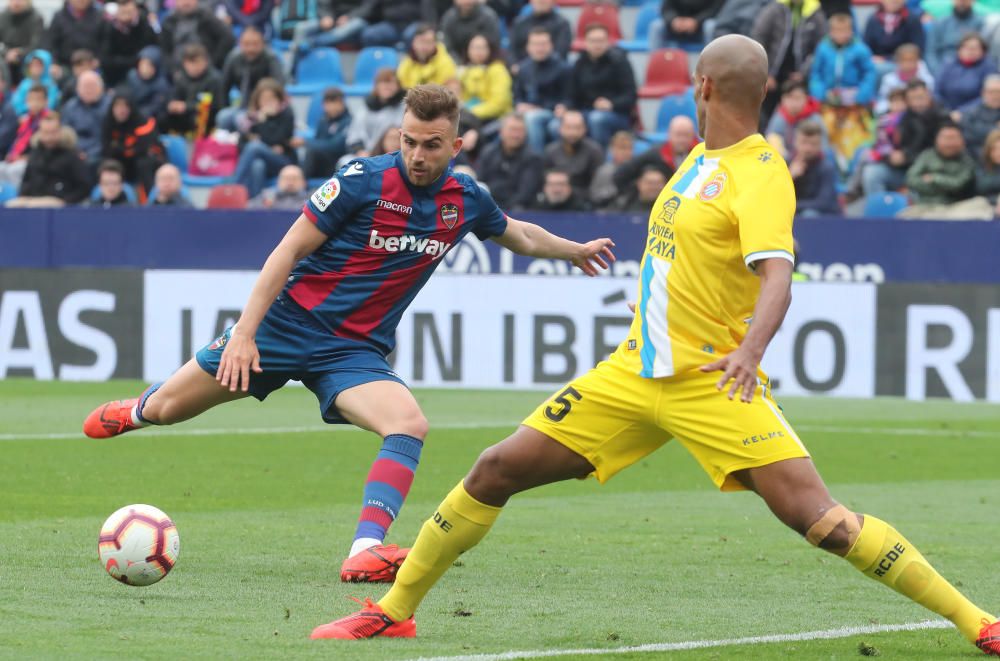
39,89
841,18
907,49
596,26
809,130
110,165
430,102
192,52
790,86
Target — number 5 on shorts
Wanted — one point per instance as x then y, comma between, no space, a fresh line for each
567,406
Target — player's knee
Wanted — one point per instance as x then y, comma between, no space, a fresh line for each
415,425
492,477
836,530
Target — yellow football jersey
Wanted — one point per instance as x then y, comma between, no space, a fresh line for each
722,211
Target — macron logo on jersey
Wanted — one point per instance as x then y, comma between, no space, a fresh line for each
408,242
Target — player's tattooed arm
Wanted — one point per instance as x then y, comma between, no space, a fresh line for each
240,355
740,366
533,241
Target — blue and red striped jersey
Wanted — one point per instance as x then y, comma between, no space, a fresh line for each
386,238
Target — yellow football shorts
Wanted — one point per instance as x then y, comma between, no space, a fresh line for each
614,417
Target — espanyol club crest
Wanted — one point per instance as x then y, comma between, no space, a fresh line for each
449,215
712,188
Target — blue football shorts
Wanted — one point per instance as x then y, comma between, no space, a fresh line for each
294,346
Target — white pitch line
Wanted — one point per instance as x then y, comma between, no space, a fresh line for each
843,632
228,431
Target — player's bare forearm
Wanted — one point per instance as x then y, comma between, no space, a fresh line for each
740,366
533,241
772,304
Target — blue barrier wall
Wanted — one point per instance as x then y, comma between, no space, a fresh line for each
904,251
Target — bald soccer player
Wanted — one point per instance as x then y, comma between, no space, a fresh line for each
718,254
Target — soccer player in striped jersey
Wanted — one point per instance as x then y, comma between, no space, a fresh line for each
326,304
714,286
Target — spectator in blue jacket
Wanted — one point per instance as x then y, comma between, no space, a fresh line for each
541,83
36,72
813,174
842,72
889,28
85,113
946,32
329,142
960,81
149,87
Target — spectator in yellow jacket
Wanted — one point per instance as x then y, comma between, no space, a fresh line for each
427,61
486,83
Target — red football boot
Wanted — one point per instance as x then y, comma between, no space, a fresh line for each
369,622
989,639
110,419
377,564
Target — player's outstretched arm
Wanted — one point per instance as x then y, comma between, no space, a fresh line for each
240,355
775,296
531,240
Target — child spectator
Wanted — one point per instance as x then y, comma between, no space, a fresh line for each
574,152
128,34
329,142
541,84
133,140
909,67
85,113
945,33
149,88
288,193
465,20
383,108
427,60
795,108
542,16
168,191
243,14
603,191
842,73
36,72
815,178
198,94
110,187
983,116
886,141
16,159
265,136
602,86
891,26
942,175
21,31
56,174
486,83
960,80
558,194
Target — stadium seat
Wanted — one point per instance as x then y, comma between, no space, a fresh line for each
7,192
666,73
177,153
314,113
228,196
649,12
885,205
369,61
601,13
670,107
318,69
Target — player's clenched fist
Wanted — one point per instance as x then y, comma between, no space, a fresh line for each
594,254
238,358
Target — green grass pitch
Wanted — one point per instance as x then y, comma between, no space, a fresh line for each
265,499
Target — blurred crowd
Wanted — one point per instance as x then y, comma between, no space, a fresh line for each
900,108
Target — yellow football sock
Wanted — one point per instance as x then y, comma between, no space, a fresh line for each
458,524
880,552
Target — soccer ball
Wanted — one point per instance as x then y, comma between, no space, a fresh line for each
138,545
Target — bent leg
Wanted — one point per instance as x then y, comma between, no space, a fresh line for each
526,459
796,494
189,392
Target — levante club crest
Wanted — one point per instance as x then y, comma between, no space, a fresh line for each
449,215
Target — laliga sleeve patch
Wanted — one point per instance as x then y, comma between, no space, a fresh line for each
326,194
